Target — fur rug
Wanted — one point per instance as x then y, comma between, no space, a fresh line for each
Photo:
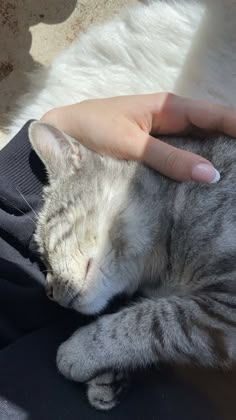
186,47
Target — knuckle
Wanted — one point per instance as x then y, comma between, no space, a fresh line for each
171,161
166,96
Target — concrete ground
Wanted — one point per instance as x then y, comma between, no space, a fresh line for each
32,32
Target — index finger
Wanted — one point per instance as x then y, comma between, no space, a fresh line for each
176,114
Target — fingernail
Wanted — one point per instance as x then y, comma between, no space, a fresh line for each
202,172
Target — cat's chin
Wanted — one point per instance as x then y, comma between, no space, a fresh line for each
93,307
97,294
95,300
92,301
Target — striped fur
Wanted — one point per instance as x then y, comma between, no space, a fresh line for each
109,227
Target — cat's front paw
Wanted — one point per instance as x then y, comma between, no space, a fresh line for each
75,359
105,390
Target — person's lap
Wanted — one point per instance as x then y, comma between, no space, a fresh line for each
32,327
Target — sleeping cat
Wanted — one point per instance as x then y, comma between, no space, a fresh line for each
109,227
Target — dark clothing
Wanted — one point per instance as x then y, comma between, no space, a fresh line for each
32,327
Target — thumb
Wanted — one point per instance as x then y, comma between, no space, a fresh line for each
178,164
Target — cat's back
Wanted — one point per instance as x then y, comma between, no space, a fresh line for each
198,221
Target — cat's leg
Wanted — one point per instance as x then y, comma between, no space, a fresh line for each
197,329
105,390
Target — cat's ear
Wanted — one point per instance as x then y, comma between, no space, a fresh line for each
54,148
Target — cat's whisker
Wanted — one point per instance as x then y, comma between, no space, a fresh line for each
26,201
17,208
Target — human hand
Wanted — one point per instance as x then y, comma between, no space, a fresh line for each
124,126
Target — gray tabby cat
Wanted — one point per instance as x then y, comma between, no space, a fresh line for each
109,227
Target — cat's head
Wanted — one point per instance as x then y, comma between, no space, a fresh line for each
90,232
